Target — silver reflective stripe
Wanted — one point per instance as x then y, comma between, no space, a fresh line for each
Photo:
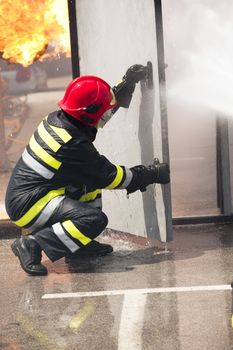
46,213
36,166
128,178
105,119
97,203
60,233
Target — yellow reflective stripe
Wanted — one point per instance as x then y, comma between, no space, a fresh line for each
42,154
47,138
90,196
62,133
120,82
38,206
118,178
232,321
75,233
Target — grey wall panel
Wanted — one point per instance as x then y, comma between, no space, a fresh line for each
112,36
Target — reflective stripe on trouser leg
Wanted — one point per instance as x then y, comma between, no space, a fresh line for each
46,213
73,225
60,233
66,232
93,198
37,207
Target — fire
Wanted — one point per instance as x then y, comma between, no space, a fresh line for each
27,27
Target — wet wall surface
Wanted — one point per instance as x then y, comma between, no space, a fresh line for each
201,255
134,135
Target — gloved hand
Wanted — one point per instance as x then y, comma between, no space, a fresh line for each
124,90
144,176
136,73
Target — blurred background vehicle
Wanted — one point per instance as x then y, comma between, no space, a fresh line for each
21,79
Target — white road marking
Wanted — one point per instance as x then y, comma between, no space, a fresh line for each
131,323
137,291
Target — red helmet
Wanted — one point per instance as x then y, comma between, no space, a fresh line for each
87,98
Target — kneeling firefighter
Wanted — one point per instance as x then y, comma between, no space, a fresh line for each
55,188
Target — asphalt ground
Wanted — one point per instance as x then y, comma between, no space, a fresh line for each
140,297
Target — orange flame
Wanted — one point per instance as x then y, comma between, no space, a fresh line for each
27,27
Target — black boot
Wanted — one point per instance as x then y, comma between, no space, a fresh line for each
93,249
29,253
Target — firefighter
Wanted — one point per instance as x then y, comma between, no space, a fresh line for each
55,188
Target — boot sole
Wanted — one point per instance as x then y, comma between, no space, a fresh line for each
15,250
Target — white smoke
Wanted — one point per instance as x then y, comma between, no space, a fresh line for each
199,50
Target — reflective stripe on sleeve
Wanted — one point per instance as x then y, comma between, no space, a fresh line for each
46,213
60,233
36,166
75,233
90,196
47,138
128,178
118,178
38,206
62,133
42,154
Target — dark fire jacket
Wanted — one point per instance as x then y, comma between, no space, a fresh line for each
59,159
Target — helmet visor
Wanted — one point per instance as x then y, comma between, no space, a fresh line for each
108,114
104,119
113,101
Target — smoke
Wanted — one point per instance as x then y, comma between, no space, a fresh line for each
199,50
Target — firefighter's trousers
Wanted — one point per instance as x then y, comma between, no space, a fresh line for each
72,225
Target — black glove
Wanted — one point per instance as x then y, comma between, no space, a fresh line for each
124,90
144,176
136,73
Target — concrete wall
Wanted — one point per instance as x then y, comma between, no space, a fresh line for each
112,36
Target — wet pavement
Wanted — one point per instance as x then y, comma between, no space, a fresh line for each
128,312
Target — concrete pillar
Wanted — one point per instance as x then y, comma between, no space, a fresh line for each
113,35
